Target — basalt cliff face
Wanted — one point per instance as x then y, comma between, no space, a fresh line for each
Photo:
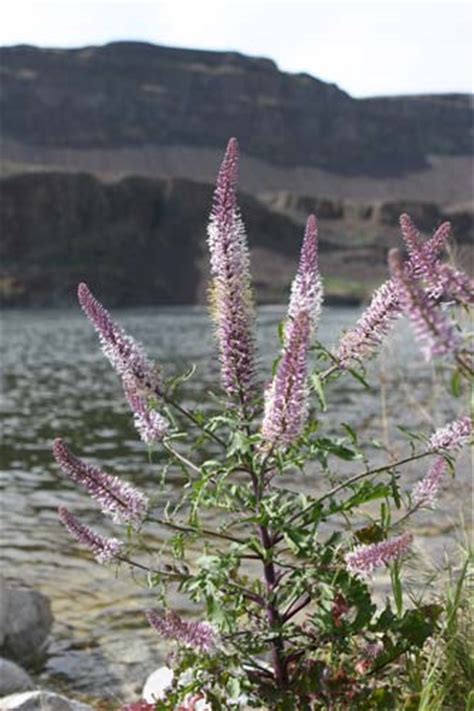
141,241
108,154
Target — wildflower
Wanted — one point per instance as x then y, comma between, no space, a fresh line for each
365,558
151,426
126,356
105,550
231,296
198,635
423,260
119,499
425,491
455,284
286,398
307,290
139,706
371,328
140,378
452,435
432,327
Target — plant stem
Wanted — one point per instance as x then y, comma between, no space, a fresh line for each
193,529
348,482
187,413
187,462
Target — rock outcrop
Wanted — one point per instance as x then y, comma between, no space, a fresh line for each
41,701
13,678
25,622
127,94
140,241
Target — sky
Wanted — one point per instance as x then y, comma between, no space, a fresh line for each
374,48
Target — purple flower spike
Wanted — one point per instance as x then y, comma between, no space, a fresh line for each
365,558
454,284
231,296
432,327
452,436
307,290
423,260
120,500
375,323
151,426
126,356
425,491
140,378
286,398
200,636
105,550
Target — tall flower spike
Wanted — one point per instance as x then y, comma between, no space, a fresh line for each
117,498
452,436
105,550
423,260
364,559
425,491
286,398
151,426
140,379
456,285
307,289
432,327
375,323
231,298
126,356
200,636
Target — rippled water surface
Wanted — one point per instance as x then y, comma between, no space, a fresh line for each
57,382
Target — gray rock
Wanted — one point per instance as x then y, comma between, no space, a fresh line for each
13,678
41,701
25,622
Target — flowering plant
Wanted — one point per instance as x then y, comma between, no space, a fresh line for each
283,581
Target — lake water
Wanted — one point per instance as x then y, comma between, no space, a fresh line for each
56,382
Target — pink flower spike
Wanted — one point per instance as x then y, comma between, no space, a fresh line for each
126,356
425,491
372,327
364,559
231,297
286,398
117,498
198,635
105,550
452,436
307,290
433,329
151,426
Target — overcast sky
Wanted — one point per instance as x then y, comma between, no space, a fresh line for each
368,48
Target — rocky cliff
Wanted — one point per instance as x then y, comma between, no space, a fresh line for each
131,94
108,156
141,241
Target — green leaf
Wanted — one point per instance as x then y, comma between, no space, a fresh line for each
397,586
351,432
359,378
315,381
456,383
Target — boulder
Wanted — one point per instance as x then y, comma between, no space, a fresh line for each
25,622
13,678
41,701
